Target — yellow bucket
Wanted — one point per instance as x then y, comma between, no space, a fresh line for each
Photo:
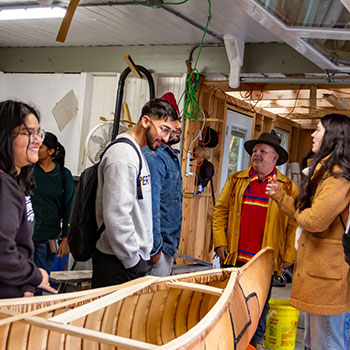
281,325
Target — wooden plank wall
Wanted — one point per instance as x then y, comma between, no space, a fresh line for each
198,208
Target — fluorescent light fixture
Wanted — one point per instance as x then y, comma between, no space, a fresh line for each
32,13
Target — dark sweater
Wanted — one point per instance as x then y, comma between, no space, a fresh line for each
17,270
51,203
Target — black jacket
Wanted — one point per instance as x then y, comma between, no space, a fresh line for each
18,273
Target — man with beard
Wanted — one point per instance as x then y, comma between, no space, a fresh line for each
245,220
166,183
123,250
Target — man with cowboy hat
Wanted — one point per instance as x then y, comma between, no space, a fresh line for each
245,220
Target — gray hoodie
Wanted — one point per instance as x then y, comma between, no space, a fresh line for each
128,220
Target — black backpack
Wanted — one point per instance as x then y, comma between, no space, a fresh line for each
83,232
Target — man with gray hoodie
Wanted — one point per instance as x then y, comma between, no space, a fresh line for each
123,250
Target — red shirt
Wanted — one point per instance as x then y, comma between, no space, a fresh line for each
253,217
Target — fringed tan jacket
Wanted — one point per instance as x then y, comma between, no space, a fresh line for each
279,230
321,281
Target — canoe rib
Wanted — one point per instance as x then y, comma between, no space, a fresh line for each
101,303
181,341
100,337
67,303
196,287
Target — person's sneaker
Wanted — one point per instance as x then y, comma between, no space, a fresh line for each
288,274
279,281
259,345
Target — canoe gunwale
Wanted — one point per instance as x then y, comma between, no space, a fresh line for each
219,311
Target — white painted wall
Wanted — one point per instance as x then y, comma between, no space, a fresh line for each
43,91
96,95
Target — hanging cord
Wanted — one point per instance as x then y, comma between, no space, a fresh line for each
250,94
192,109
295,103
160,4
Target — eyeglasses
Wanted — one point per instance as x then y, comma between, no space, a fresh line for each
165,131
31,133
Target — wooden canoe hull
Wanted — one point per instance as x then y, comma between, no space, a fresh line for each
214,309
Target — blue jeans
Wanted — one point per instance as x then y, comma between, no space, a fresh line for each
327,332
163,267
260,330
42,256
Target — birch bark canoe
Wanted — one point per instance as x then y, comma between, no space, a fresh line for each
207,310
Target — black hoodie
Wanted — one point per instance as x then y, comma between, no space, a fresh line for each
18,273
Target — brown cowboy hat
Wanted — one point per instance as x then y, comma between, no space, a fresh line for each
268,139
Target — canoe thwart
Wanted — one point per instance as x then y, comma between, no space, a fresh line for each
84,310
196,287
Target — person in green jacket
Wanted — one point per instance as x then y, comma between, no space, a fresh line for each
52,203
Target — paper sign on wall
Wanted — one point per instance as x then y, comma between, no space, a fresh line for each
65,110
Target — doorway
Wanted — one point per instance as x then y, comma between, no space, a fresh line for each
235,158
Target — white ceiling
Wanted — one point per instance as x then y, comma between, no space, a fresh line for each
122,22
135,25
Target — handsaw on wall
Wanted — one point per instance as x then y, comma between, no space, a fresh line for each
62,33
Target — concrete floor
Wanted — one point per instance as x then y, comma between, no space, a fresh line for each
284,293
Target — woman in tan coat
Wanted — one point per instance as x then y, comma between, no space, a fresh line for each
321,281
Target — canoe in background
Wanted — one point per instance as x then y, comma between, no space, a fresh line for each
213,310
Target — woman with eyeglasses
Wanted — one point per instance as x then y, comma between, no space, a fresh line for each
20,139
52,203
321,280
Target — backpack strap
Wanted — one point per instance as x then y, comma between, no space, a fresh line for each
128,141
138,182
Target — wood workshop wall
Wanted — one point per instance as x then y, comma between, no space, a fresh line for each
196,237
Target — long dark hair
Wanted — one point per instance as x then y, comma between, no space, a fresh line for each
12,115
51,142
335,146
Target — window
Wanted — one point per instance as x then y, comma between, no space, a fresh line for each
318,29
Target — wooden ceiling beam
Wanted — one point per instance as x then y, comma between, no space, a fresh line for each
281,95
312,101
307,124
223,85
337,103
319,113
290,101
290,104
